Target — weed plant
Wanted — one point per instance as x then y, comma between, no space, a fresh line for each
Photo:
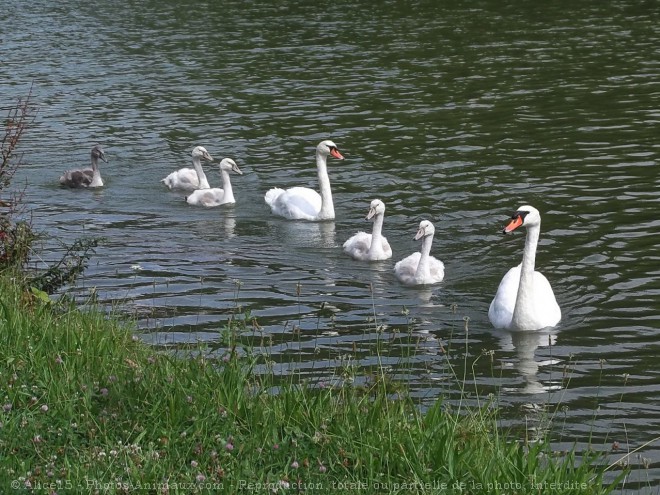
88,408
17,236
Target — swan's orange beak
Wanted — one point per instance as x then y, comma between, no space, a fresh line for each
516,222
335,152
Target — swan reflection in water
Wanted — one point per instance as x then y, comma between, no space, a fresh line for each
525,345
308,234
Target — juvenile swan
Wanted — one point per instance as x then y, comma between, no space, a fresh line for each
86,177
190,179
370,247
217,196
524,298
302,203
421,268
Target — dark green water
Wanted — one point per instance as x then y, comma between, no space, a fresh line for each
457,112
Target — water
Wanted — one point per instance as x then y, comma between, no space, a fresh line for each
457,112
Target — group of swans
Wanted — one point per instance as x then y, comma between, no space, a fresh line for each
186,179
194,180
417,269
524,298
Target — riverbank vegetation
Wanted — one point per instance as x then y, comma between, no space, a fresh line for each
87,406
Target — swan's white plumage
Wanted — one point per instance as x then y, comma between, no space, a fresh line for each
421,268
524,298
86,177
217,196
295,203
370,247
303,203
190,179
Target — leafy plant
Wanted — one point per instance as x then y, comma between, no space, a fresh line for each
17,236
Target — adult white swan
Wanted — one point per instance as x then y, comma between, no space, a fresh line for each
190,179
86,177
421,268
217,196
524,299
302,203
374,246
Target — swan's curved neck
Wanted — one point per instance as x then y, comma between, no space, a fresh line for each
524,302
327,207
226,186
423,268
201,176
376,235
96,173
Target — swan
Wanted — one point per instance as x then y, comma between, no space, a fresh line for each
86,177
302,203
217,196
370,247
524,298
421,268
190,179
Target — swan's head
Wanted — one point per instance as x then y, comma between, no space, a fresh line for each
377,207
426,229
230,166
97,152
327,147
524,216
200,152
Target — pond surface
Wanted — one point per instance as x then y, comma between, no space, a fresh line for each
456,112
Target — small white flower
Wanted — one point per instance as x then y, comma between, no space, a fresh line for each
136,268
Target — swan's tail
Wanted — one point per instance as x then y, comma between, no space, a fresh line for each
168,182
272,195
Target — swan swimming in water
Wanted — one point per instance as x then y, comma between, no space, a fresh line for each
421,268
524,298
86,177
370,247
303,203
190,179
217,196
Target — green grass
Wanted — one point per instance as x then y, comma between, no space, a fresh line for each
86,407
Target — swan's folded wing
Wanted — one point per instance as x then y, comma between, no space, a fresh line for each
437,269
206,197
501,308
297,203
406,268
387,249
358,245
546,305
77,178
272,195
184,178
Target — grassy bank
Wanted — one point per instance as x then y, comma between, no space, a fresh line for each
87,408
